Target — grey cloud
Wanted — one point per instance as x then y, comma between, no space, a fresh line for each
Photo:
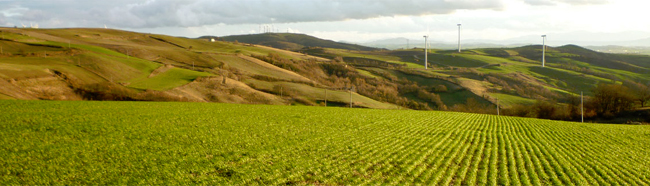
571,2
72,12
34,15
168,13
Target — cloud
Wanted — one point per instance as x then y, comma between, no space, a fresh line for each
191,13
570,2
34,15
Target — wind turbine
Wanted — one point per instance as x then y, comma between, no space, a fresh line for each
426,48
459,37
425,51
543,50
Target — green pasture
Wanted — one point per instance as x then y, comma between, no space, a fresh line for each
169,79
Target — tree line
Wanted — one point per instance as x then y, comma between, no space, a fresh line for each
609,100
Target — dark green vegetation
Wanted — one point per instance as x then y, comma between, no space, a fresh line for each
73,142
289,41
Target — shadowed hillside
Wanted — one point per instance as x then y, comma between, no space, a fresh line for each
289,41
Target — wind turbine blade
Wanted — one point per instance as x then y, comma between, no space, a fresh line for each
427,43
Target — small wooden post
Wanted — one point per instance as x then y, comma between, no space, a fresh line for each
498,107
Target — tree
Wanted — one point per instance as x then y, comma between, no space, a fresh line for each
644,94
573,108
640,91
545,110
440,88
610,99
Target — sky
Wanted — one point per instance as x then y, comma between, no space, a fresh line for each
356,21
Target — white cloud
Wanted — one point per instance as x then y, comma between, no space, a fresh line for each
570,2
350,20
12,10
188,13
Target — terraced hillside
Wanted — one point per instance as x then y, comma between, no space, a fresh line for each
74,142
106,64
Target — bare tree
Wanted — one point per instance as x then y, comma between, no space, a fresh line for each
610,99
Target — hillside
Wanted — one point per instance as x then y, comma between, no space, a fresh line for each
290,41
512,75
151,143
106,64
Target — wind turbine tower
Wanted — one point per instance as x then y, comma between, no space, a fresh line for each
426,52
543,50
459,38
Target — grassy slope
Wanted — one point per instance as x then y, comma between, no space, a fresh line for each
171,78
522,60
106,63
318,94
368,74
205,143
5,97
101,55
34,67
255,66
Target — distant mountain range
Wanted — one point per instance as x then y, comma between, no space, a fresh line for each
632,39
401,43
637,46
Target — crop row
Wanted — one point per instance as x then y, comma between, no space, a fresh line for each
154,143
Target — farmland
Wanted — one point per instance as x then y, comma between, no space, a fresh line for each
108,64
74,142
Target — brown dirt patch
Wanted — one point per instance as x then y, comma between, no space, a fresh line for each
160,70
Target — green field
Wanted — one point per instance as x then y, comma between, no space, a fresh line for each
169,79
72,143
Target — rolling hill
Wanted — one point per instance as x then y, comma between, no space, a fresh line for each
291,41
106,64
512,75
